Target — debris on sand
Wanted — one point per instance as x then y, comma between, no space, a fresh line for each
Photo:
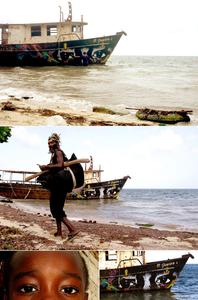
8,106
163,116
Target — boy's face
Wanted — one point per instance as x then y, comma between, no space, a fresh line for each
46,276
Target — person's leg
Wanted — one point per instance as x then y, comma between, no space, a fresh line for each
60,194
54,208
69,225
59,228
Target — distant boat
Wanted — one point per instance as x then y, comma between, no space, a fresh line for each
14,186
153,276
53,43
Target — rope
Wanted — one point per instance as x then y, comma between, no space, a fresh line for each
13,190
73,177
27,193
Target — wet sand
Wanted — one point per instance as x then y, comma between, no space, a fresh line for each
27,231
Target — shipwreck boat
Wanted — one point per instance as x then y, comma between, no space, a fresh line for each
153,276
55,43
14,186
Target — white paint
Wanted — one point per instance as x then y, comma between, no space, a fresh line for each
146,277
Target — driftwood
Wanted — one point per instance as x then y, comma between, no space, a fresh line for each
66,164
163,116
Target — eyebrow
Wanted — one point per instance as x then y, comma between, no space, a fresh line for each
23,274
74,275
32,272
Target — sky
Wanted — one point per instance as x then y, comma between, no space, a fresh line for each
154,27
164,254
154,157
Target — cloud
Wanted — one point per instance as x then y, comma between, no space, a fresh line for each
157,143
165,140
24,136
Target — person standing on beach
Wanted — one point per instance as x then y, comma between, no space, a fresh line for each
59,182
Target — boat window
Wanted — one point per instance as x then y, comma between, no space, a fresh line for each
36,31
74,28
137,253
51,30
111,255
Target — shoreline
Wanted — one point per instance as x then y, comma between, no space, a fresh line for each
28,111
37,210
26,231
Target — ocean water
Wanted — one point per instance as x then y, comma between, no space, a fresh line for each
125,81
163,208
186,288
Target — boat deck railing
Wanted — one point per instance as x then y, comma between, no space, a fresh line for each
15,177
13,181
92,180
68,36
127,260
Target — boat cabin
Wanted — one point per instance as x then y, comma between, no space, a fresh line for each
35,33
112,259
92,175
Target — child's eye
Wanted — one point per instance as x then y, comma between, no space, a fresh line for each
69,290
27,289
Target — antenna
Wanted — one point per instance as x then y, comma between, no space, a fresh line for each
61,13
69,18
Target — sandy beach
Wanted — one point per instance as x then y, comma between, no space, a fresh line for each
27,111
22,230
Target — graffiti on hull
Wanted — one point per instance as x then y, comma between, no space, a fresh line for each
147,281
76,53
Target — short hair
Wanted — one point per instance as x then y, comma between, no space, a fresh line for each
6,259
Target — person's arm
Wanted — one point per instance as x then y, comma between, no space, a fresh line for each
59,164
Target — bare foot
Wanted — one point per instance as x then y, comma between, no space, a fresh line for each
73,233
58,234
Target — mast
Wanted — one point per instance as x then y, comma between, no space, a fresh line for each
61,14
82,26
69,18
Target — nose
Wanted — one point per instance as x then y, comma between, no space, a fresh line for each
49,295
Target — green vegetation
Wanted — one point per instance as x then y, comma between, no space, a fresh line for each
162,116
5,133
147,225
104,110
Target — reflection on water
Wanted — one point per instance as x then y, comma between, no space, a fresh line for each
163,295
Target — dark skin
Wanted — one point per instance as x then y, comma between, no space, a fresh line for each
53,148
42,275
60,162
